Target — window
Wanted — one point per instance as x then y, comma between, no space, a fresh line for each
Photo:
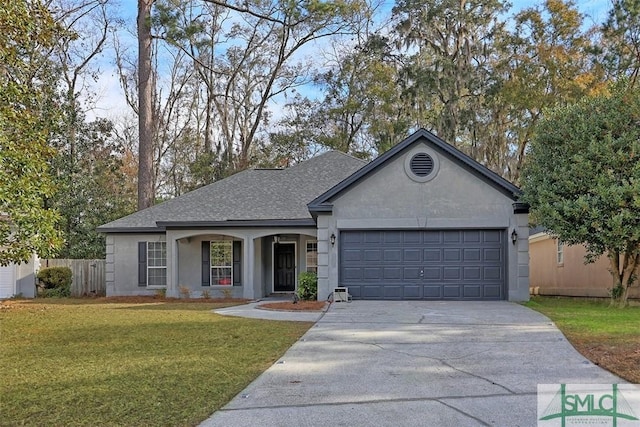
221,262
157,264
312,256
560,251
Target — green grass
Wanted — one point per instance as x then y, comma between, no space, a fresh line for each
589,317
154,364
608,336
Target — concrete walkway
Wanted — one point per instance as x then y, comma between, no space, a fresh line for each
252,311
387,363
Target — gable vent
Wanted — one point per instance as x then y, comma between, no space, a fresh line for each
421,164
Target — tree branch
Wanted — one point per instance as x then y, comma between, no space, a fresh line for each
247,11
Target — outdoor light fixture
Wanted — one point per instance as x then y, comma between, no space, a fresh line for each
332,239
514,236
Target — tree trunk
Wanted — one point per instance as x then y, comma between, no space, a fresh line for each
146,191
623,276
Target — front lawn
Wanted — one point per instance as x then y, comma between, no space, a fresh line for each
610,337
84,362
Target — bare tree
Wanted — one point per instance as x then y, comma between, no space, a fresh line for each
87,25
247,54
206,78
146,193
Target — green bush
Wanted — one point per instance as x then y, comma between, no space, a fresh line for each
56,292
55,281
308,286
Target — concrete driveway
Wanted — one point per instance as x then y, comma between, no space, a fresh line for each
387,363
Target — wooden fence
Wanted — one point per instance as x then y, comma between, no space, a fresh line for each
88,274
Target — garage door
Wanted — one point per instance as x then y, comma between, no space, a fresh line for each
431,265
6,281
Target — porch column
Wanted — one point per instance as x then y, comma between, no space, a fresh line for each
109,267
325,271
522,246
248,267
172,267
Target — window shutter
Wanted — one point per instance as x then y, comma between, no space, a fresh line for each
237,257
142,263
206,264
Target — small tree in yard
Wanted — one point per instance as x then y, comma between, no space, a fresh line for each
582,180
28,114
307,286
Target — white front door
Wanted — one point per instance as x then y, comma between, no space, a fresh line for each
7,281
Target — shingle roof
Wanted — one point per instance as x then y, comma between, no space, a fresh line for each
251,195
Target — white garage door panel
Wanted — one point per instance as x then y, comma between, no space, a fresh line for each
7,281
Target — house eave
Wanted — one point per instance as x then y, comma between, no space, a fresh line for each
321,208
520,208
539,237
163,226
262,223
138,230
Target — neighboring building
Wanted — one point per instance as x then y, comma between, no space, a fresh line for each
422,221
559,269
19,279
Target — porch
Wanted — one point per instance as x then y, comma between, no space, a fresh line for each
238,263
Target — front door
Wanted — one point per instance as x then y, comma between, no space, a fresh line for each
284,274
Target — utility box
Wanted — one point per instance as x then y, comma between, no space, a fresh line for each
341,295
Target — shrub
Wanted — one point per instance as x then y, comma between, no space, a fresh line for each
616,293
227,293
55,281
206,294
308,286
55,277
184,291
56,292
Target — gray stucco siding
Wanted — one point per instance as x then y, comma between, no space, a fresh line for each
256,258
190,267
456,198
184,260
519,279
121,268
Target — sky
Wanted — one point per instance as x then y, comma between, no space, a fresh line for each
110,101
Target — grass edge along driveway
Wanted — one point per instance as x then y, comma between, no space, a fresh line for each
83,362
608,336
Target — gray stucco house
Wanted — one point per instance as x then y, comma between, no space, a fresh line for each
422,221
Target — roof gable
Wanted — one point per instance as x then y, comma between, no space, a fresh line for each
323,202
